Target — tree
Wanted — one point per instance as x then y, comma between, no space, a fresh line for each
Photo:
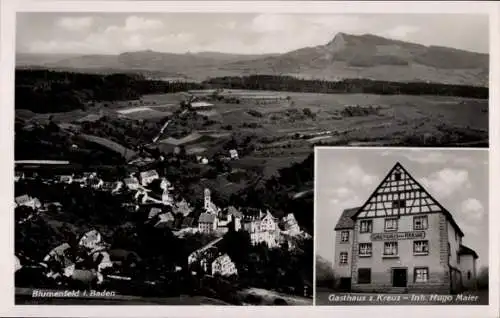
483,278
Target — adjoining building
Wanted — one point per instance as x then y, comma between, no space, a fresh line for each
401,240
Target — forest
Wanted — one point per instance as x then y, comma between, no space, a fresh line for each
357,86
46,91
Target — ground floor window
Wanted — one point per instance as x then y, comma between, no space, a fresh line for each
365,249
364,275
421,274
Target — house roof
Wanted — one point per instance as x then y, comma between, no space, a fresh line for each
149,173
201,104
206,218
400,166
235,212
464,250
165,217
130,181
264,215
345,221
154,212
187,221
108,185
22,199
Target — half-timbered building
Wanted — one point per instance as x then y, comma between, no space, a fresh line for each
401,240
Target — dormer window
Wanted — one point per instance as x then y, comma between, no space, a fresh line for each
397,176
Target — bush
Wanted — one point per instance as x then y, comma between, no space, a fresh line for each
483,278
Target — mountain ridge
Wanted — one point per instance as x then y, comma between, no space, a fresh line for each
344,56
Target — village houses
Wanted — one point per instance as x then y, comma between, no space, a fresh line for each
290,224
26,200
146,177
66,179
131,183
262,228
224,266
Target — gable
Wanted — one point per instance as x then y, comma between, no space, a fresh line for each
398,194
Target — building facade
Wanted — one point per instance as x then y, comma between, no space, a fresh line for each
262,229
223,266
401,240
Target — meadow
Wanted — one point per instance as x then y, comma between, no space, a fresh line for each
279,133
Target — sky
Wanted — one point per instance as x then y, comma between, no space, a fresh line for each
248,33
458,179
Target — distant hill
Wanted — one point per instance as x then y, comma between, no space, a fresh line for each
345,56
373,57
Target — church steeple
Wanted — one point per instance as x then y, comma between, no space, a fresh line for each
207,199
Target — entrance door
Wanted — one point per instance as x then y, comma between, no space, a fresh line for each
399,277
345,284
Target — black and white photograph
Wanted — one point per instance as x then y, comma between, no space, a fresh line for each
168,158
402,226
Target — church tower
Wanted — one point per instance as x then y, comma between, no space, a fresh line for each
207,199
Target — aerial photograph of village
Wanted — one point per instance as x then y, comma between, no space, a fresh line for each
164,161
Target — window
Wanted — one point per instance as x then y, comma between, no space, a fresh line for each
397,176
364,276
398,204
390,248
468,275
449,250
365,249
420,222
391,224
343,258
421,274
344,236
421,247
366,226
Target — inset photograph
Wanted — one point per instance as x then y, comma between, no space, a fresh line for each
401,226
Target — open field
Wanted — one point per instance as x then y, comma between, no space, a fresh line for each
275,135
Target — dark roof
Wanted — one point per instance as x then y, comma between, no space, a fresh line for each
206,218
22,199
187,221
345,221
235,212
149,173
464,250
130,181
